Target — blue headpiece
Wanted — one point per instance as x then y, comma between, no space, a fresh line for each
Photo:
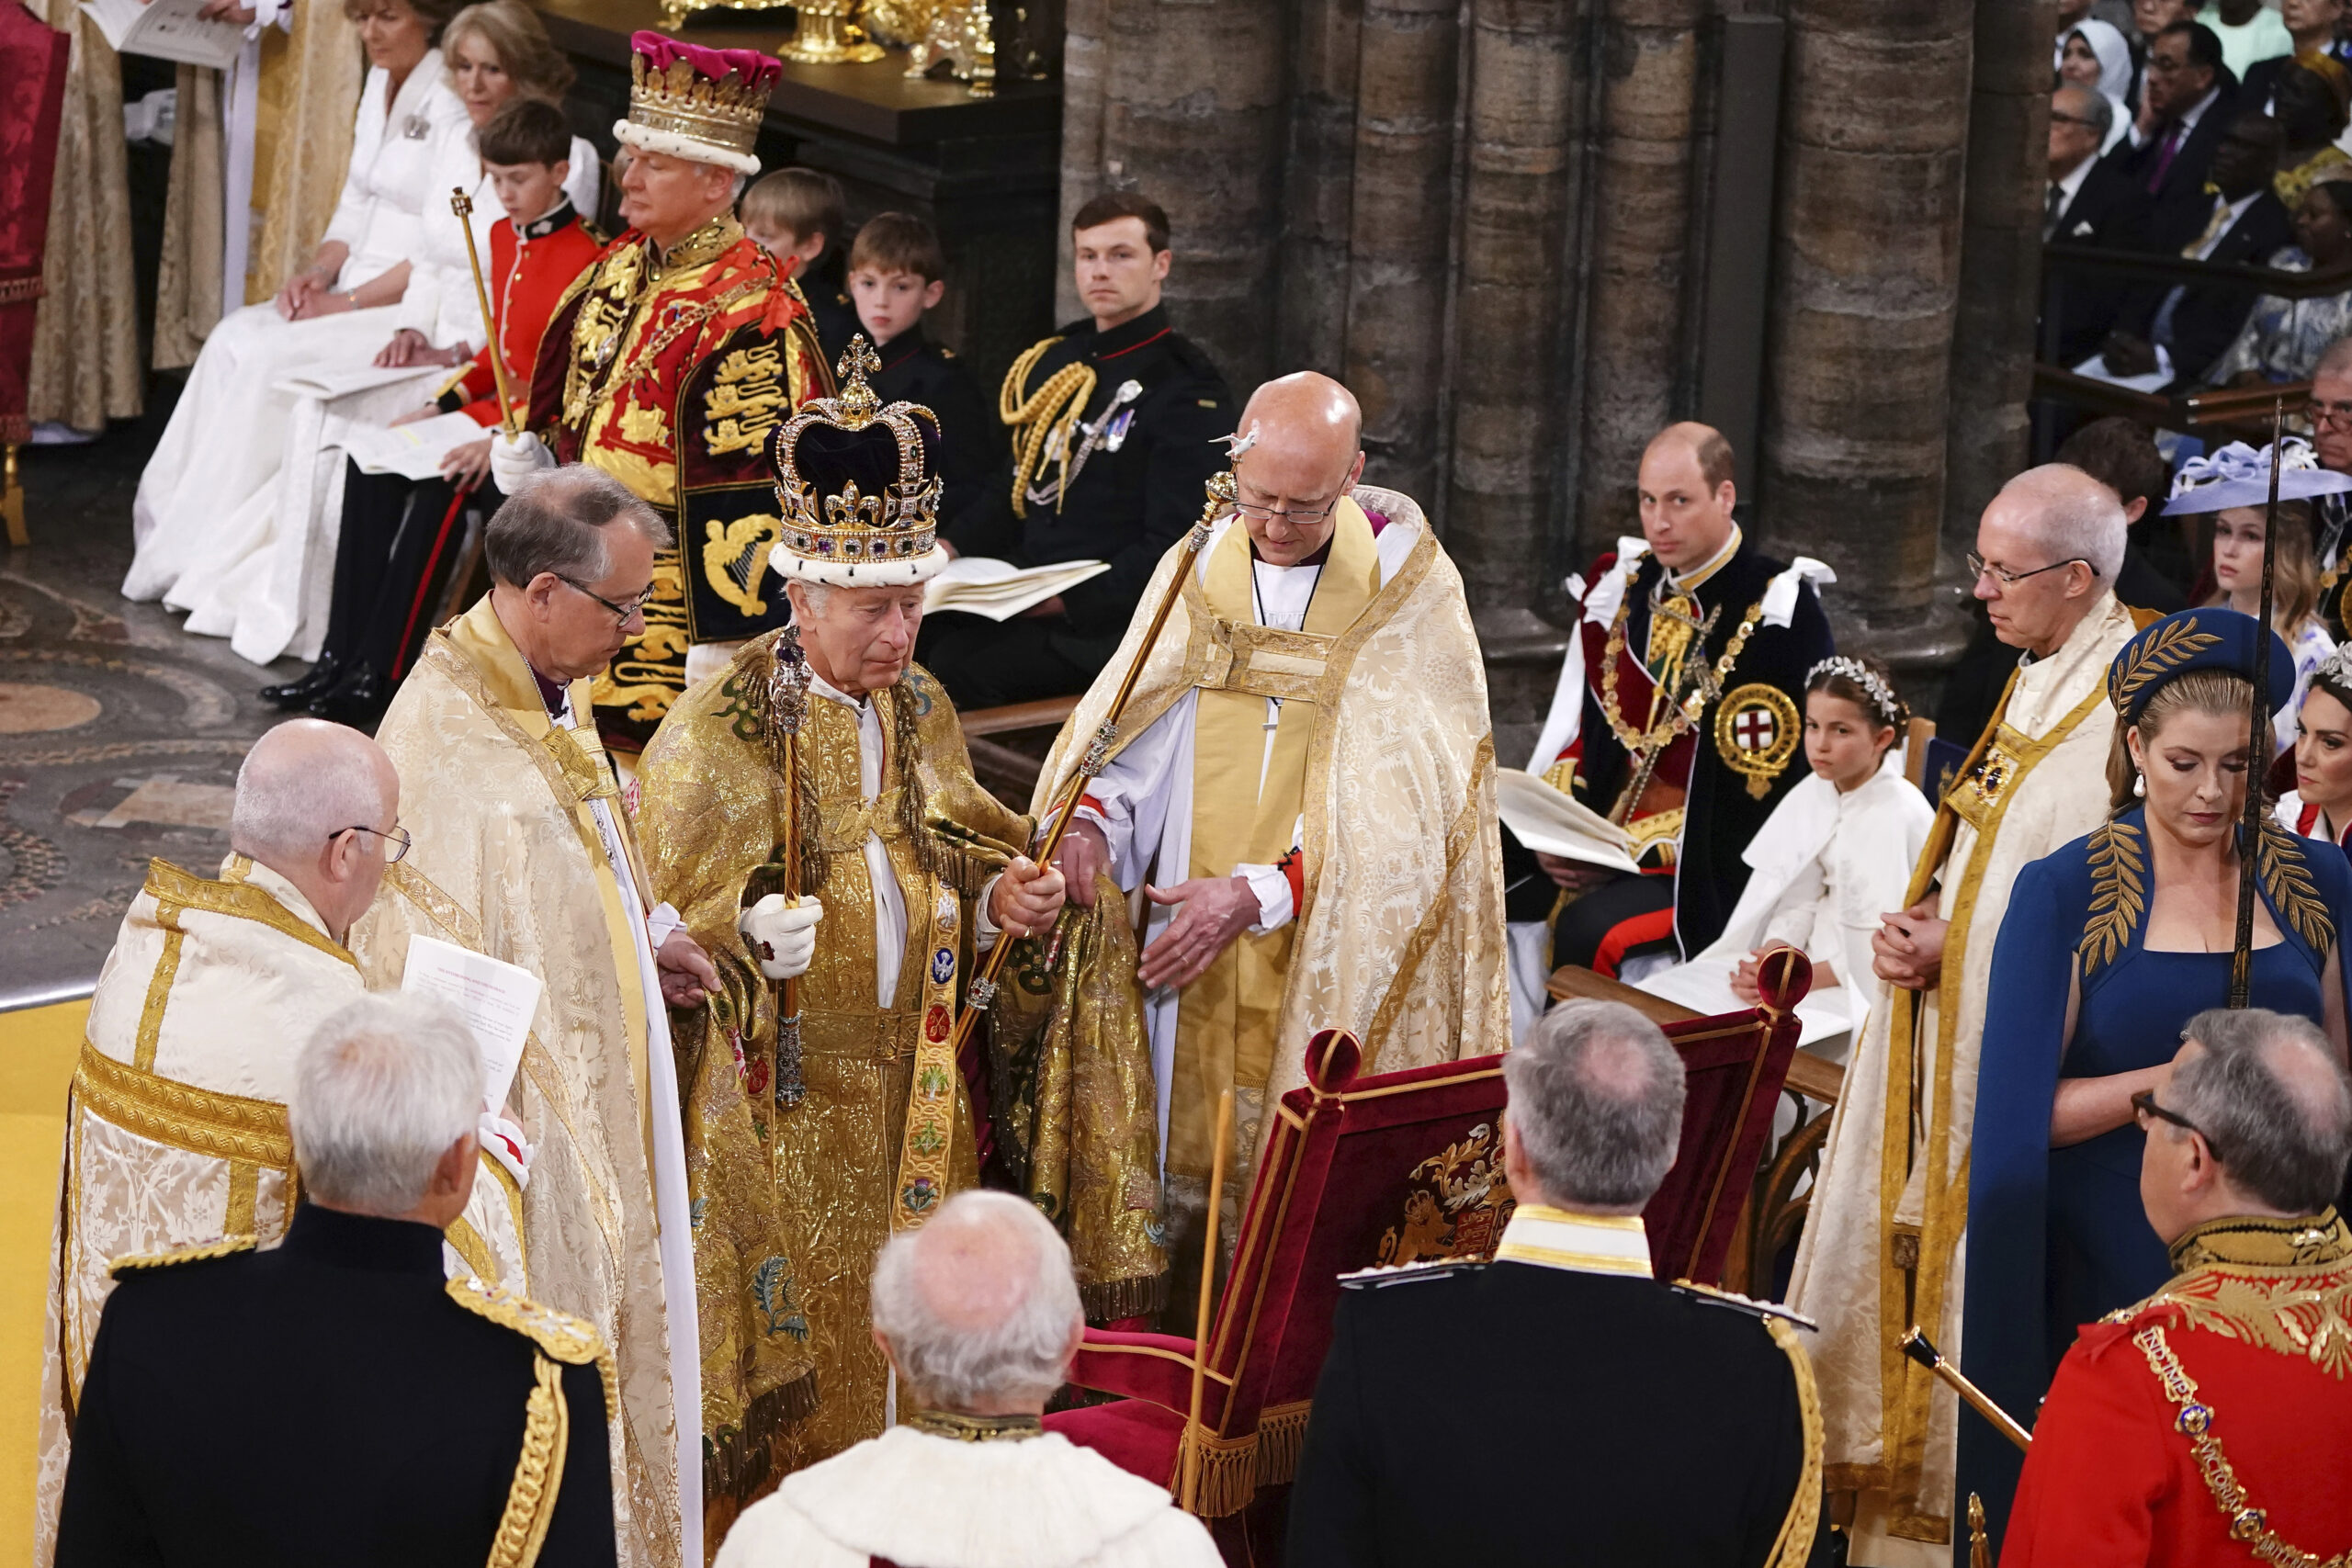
2205,638
2239,475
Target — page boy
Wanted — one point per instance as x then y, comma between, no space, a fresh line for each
399,540
796,214
896,273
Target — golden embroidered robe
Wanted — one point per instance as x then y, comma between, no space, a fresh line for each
175,1125
784,1259
509,812
1884,1244
1381,784
670,373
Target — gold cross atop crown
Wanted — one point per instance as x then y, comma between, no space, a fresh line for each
858,403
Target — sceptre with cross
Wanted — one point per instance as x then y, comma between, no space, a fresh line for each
463,206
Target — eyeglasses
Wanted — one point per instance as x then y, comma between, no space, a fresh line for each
1978,567
2072,119
1257,514
2337,415
634,607
2144,1103
397,842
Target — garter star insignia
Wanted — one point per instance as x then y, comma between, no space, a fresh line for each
1757,730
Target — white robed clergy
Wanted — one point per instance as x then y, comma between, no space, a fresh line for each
525,853
176,1126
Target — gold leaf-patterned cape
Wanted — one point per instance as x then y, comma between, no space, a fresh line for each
508,862
1882,1247
1399,933
783,1254
175,1123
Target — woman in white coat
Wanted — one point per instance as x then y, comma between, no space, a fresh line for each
1834,855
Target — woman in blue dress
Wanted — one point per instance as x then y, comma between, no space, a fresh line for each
2110,947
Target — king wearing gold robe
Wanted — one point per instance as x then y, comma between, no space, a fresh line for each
811,811
1305,778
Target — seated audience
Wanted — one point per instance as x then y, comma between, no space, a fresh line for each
400,536
2329,414
897,272
2283,338
2249,32
2121,455
2187,98
397,1419
1837,853
2094,56
2207,1423
2149,19
2225,489
2089,202
797,213
2316,26
1689,1435
978,1314
2311,98
2185,330
2320,805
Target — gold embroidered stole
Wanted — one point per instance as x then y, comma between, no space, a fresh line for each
573,760
1914,1276
1226,1025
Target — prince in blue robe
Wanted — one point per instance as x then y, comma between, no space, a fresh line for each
2110,945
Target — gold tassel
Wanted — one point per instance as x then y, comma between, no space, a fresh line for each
1281,1432
1229,1472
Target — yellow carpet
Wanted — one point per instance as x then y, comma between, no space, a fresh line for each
37,1051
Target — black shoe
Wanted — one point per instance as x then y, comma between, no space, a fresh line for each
315,682
358,699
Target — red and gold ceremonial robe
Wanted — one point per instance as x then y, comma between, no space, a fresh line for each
669,371
2209,1423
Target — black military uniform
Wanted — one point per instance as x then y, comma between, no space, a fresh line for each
333,1402
825,286
1517,1414
971,441
1731,767
1138,411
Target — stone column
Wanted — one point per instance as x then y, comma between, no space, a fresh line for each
1865,284
1318,188
1401,232
1635,276
2000,259
1083,47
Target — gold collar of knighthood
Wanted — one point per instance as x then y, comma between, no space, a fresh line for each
623,282
1677,626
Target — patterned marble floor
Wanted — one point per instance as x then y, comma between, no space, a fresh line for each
119,733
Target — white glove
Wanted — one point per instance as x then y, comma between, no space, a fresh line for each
782,934
514,460
502,1141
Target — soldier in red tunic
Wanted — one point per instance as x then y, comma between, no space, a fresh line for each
670,364
2210,1423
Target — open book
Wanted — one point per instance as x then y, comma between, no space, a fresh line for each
497,998
168,29
1552,823
413,451
1001,590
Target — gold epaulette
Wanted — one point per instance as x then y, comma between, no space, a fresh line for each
1383,1275
571,1340
202,1252
1769,1311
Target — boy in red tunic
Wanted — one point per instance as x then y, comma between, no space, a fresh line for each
2209,1423
400,536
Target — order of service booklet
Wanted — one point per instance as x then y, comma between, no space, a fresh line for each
999,589
168,29
497,1000
1552,823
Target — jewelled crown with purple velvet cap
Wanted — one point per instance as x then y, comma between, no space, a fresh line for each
858,487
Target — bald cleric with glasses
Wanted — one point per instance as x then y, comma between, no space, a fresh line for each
178,1128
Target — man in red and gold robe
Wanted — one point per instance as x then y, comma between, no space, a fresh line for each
2208,1423
669,365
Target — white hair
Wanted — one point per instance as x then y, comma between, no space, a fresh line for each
2073,517
385,1085
292,796
1023,1352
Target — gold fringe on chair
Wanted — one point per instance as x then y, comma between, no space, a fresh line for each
1281,1432
1229,1472
736,1462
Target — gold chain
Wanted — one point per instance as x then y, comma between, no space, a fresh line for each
2248,1523
1685,713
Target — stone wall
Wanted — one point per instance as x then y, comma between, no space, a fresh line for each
1510,226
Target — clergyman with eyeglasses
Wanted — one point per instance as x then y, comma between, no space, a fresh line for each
524,853
175,1127
1890,1207
1309,764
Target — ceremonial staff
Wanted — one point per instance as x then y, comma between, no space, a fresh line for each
982,990
463,206
2257,747
1916,1345
787,708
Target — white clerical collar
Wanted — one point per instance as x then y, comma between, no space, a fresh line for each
1585,1244
1686,581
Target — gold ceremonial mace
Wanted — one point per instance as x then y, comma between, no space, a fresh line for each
1195,1439
463,206
1916,1345
982,990
787,707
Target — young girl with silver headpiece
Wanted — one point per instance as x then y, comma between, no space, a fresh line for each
2320,805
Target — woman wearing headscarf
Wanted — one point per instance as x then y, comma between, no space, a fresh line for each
2093,56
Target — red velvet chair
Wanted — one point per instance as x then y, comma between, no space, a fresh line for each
33,58
1400,1168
